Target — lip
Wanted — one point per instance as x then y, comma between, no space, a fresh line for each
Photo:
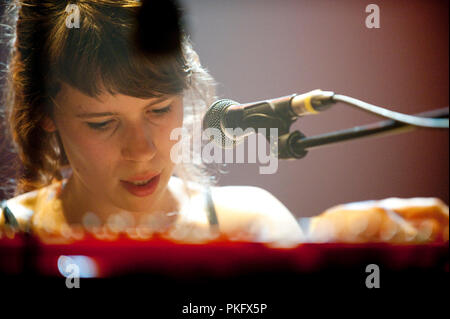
142,191
141,177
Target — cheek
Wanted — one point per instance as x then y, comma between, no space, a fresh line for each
163,141
87,156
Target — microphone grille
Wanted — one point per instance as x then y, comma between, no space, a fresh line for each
212,119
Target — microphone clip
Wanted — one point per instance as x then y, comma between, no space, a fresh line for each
287,146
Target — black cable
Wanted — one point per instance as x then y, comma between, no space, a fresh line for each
379,128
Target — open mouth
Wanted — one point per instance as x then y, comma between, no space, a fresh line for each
141,183
141,188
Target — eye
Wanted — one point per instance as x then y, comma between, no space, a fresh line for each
101,126
162,111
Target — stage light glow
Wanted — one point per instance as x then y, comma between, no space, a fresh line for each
90,220
118,223
86,266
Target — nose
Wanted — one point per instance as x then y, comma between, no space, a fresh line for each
138,144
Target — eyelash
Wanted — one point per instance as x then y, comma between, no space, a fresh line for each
164,110
103,126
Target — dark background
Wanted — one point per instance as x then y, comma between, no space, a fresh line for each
265,49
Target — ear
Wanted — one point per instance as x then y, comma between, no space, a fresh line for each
48,125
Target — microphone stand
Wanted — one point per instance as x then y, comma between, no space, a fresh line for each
295,145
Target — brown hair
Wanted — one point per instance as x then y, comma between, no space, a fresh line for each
99,55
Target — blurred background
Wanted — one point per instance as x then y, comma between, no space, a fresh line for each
265,49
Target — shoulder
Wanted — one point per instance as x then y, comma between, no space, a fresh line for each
25,207
244,213
248,211
19,208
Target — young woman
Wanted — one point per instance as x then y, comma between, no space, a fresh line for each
91,116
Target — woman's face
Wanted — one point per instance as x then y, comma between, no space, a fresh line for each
113,140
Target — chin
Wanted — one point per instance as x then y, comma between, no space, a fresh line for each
140,204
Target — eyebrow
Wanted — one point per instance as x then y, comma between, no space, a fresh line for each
102,114
91,115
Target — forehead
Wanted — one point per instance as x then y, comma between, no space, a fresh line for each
75,100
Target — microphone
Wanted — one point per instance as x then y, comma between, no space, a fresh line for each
234,121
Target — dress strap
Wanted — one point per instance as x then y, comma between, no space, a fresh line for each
212,216
10,219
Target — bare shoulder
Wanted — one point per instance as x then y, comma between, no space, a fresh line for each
2,219
254,213
244,213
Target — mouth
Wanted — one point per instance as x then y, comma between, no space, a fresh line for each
141,178
140,183
141,187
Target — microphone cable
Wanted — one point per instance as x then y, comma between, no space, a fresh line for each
396,116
